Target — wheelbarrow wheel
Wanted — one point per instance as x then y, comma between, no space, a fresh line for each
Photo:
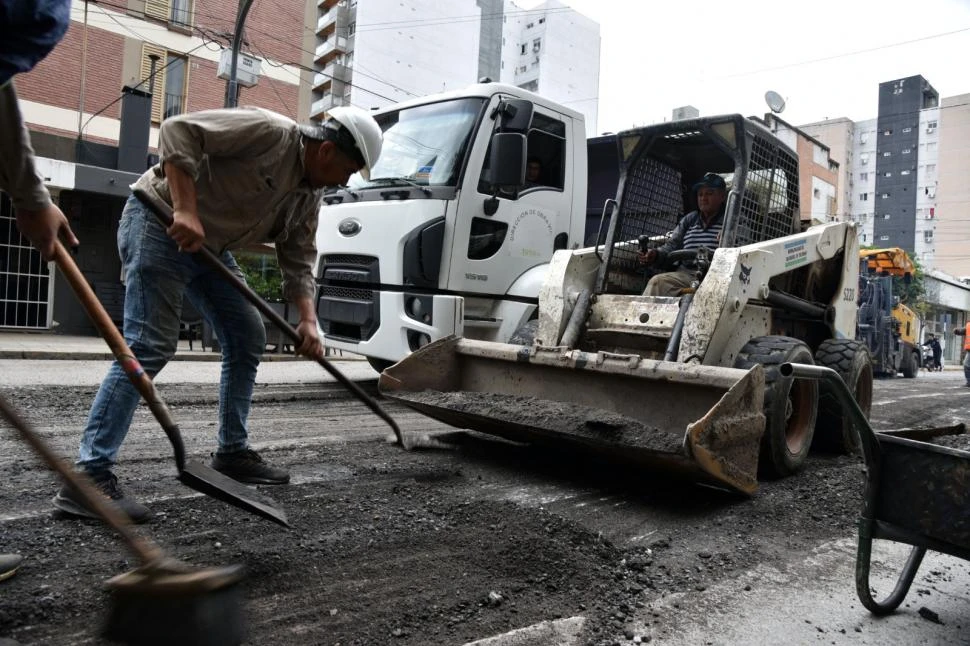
791,405
851,359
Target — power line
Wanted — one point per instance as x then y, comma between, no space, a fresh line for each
844,55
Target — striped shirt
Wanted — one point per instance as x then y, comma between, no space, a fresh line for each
690,233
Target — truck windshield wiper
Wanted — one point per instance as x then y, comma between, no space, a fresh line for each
402,180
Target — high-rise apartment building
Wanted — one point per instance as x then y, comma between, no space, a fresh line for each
905,192
952,236
372,53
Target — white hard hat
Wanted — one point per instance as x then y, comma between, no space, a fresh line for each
366,133
354,131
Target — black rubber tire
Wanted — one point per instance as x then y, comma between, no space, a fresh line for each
526,334
910,367
380,365
852,360
791,405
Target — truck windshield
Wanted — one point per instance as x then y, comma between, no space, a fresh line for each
424,144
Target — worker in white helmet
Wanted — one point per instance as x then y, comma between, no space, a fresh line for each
234,177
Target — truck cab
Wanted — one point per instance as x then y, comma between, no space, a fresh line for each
431,245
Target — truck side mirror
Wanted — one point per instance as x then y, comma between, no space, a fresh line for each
506,163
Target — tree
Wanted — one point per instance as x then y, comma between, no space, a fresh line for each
262,274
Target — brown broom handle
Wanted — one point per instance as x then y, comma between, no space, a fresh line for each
126,359
147,551
164,213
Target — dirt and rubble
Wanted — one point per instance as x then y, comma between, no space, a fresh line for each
426,548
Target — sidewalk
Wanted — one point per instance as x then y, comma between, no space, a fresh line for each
47,345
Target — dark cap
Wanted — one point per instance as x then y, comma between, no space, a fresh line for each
710,180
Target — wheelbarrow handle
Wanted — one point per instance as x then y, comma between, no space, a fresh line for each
165,215
119,348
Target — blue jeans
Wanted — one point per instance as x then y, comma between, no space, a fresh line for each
966,365
157,277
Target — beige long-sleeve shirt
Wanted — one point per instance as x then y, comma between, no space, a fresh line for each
247,165
18,175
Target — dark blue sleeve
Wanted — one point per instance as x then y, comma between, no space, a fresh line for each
29,30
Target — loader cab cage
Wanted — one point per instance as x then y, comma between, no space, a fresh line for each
660,164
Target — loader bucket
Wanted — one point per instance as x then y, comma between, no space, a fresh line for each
703,422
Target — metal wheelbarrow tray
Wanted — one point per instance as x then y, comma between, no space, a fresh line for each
916,493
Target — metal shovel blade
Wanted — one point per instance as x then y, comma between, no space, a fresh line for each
212,483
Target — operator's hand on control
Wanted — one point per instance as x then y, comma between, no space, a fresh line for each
648,257
42,228
310,343
187,231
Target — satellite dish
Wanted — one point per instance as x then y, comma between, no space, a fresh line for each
774,101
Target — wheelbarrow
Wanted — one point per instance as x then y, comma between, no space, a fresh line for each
916,493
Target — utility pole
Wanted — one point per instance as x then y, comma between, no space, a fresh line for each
232,86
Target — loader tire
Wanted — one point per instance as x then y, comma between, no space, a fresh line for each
380,365
834,431
910,367
791,405
526,334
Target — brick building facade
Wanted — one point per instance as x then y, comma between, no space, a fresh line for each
74,105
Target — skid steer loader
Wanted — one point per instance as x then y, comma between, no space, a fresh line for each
688,383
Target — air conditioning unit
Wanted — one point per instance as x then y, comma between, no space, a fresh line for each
247,68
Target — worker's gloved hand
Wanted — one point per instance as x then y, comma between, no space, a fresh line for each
647,258
187,231
310,343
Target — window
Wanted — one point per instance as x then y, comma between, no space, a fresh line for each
887,132
541,20
864,237
864,158
536,45
351,29
888,173
884,237
174,12
907,129
928,235
886,216
887,154
863,177
930,126
907,151
522,50
885,195
530,25
931,146
904,172
864,138
864,197
169,83
931,168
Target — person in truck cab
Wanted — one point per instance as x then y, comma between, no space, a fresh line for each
700,228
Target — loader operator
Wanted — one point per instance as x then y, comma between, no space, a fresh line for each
700,228
234,177
29,30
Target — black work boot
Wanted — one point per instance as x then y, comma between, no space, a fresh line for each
68,502
247,466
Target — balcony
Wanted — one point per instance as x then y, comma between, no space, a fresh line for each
317,108
336,19
332,73
331,47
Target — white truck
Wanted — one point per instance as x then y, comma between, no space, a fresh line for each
447,237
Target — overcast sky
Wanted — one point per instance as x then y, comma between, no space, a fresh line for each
825,57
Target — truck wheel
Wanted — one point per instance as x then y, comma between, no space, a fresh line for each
910,366
851,359
526,334
380,365
791,405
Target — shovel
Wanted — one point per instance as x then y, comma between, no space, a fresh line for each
164,601
164,214
191,473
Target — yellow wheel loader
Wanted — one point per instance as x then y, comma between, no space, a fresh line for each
689,383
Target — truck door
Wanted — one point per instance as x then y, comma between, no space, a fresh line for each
493,249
